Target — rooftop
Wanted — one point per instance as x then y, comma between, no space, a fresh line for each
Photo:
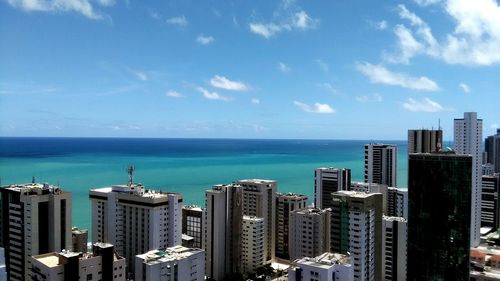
355,194
34,188
192,207
394,219
325,260
291,195
135,189
169,254
252,218
311,211
49,259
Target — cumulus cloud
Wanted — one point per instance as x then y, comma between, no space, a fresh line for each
315,108
179,21
369,98
464,87
212,95
84,7
226,84
378,74
424,105
204,40
174,94
265,29
283,67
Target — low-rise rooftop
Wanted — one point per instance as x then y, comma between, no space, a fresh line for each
169,254
325,260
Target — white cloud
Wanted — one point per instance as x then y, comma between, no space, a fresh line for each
174,94
226,84
141,75
283,67
381,25
323,65
303,21
179,21
212,95
265,30
373,98
204,40
381,75
83,7
424,105
464,87
426,2
255,101
315,108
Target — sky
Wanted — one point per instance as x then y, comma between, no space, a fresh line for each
306,69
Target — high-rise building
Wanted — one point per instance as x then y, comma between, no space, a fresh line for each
394,254
224,216
439,188
135,219
490,206
252,244
193,222
397,202
285,204
79,240
309,233
381,164
101,264
468,137
259,200
492,149
35,219
176,263
425,141
327,181
325,267
357,229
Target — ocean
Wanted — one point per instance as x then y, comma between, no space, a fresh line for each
187,166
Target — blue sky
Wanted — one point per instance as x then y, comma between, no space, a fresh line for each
246,69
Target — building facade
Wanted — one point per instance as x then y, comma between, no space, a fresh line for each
193,222
325,267
176,263
381,164
285,204
425,141
252,244
135,219
468,137
439,189
309,233
397,202
492,149
490,207
327,181
101,264
356,228
394,252
79,240
35,219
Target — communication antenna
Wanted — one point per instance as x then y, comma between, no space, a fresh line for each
130,171
439,123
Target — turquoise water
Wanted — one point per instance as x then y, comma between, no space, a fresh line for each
188,166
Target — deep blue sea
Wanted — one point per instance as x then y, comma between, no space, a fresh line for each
188,166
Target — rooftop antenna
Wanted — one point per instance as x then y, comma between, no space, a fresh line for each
33,179
130,171
439,123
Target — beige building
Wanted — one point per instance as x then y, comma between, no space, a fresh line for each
36,219
101,264
309,233
252,243
285,204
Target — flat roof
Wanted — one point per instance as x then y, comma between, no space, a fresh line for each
49,259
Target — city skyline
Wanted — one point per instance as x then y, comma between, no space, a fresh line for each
287,69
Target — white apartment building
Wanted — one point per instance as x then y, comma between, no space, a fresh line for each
325,267
252,243
381,164
176,263
309,233
357,229
35,219
327,181
101,264
285,204
136,219
468,138
394,253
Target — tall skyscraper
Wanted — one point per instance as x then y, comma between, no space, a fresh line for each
327,181
309,233
193,222
285,204
252,243
394,253
439,188
259,200
357,229
468,136
35,219
492,149
224,215
381,164
135,219
490,205
425,141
